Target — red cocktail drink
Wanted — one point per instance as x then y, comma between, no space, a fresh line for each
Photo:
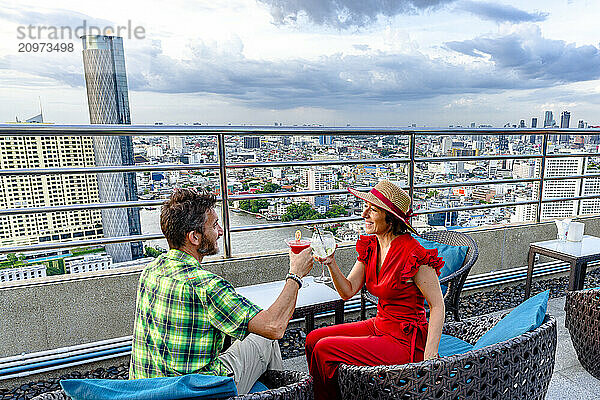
298,245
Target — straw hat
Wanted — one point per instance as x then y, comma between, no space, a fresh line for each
391,198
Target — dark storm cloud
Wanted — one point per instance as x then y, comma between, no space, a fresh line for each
522,60
329,82
533,57
500,12
374,78
346,13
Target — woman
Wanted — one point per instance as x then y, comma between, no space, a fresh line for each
398,270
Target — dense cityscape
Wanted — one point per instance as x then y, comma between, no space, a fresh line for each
325,147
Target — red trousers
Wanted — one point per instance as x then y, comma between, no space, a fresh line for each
356,343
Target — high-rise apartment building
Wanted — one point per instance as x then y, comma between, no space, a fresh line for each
48,190
556,167
325,140
534,122
252,142
177,144
502,143
320,178
108,102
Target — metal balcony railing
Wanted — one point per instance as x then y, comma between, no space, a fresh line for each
223,166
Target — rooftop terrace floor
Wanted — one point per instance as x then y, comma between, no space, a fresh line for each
569,381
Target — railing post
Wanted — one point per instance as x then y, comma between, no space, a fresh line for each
538,217
224,195
581,185
411,173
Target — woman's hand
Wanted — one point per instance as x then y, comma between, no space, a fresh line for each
328,261
429,356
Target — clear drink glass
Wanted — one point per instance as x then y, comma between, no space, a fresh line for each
323,245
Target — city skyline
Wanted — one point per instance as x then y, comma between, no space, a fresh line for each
260,62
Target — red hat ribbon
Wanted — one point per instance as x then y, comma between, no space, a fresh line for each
391,205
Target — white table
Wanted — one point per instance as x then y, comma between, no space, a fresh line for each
312,298
578,254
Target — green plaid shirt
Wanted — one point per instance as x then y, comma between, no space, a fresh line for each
182,316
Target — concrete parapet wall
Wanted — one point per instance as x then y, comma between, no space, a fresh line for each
52,312
507,246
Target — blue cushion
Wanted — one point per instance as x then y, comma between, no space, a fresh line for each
258,387
178,387
526,317
453,256
450,345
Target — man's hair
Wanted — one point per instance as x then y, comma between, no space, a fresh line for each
185,211
397,226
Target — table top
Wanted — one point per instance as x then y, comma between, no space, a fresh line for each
264,294
589,246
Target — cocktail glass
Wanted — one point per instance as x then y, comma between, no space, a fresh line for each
297,245
323,245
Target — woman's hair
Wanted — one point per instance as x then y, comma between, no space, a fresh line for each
397,226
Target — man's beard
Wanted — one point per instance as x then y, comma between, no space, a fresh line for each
208,248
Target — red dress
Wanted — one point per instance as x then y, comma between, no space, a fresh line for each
397,334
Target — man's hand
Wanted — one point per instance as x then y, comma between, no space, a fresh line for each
302,263
271,323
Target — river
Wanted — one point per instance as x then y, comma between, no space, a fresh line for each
241,242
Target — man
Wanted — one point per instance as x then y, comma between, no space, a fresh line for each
184,312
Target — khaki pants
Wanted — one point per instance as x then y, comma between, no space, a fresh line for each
250,358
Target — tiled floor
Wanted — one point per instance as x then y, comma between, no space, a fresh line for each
570,380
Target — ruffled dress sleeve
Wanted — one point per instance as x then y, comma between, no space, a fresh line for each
364,247
421,256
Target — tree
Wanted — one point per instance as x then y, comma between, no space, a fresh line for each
302,212
253,205
152,252
335,211
12,257
271,188
431,194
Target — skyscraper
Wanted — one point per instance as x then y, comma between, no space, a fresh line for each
534,122
108,102
565,119
548,119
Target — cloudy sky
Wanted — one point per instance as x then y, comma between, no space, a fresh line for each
366,63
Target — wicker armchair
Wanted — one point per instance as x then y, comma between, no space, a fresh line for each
519,368
583,322
455,281
286,385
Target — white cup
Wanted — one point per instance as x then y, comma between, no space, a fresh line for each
575,233
562,227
